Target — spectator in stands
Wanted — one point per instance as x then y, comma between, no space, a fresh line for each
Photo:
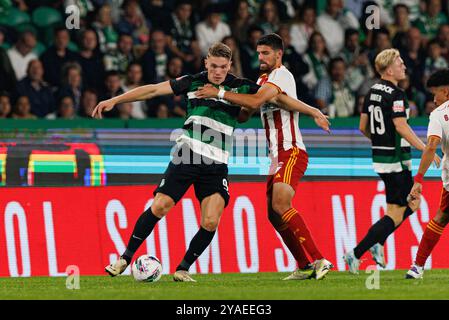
434,59
211,30
133,80
89,100
5,105
66,109
381,41
22,109
112,88
429,21
7,74
269,19
250,57
333,23
416,99
71,84
107,36
182,38
56,56
241,20
414,56
134,23
302,28
443,38
236,67
157,11
91,60
125,111
356,59
120,58
154,61
162,111
174,105
317,58
333,94
398,29
294,62
39,92
22,53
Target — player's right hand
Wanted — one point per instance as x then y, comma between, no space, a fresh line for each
416,191
103,106
437,160
322,121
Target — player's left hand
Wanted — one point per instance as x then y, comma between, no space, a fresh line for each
322,121
208,91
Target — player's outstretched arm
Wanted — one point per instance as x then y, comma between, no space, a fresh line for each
137,94
427,158
249,101
292,104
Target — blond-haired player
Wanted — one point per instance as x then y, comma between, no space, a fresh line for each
384,122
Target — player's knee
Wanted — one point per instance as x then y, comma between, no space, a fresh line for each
280,205
161,206
210,224
442,218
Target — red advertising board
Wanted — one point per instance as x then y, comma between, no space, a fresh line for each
45,230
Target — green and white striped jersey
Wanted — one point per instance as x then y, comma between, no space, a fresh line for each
210,123
383,103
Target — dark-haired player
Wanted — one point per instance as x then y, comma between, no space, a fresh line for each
437,132
287,152
202,155
384,122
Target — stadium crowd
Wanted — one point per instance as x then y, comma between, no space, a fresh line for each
49,71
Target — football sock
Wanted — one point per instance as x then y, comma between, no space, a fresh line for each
430,238
299,229
378,232
197,245
408,212
294,246
144,226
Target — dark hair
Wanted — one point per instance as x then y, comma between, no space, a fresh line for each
111,73
438,79
252,29
349,32
271,40
433,41
400,5
334,61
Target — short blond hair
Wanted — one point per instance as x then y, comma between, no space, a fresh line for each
220,50
385,59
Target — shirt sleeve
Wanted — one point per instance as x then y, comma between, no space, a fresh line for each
434,128
398,105
280,79
181,85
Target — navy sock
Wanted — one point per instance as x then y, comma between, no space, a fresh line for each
199,243
378,232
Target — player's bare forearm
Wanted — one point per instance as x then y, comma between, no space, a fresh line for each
249,101
144,93
296,105
427,158
407,133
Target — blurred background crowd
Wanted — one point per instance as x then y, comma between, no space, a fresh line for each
49,71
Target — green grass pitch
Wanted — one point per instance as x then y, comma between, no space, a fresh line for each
264,286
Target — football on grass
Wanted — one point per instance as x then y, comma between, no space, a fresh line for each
147,268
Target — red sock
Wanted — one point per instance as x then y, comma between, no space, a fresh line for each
299,229
429,239
294,246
